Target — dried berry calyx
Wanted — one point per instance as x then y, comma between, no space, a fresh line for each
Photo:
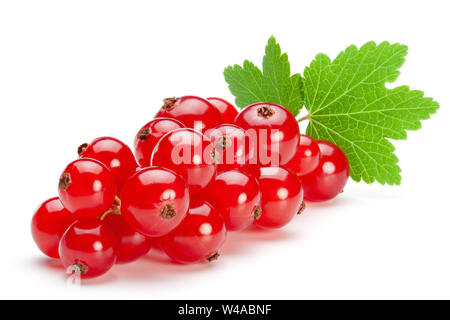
79,267
265,112
170,103
215,157
257,213
223,142
64,181
81,148
143,134
302,208
168,212
213,257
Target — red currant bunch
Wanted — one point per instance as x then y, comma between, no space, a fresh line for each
199,170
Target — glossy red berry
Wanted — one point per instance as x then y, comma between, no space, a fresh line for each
88,247
49,223
232,146
131,245
306,158
87,188
188,153
114,154
274,131
330,176
193,112
281,196
154,201
149,135
199,236
226,109
236,196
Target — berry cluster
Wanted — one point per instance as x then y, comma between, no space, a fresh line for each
200,169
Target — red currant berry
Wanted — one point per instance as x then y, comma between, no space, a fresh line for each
276,130
330,176
131,245
49,223
226,109
154,201
232,146
114,154
149,135
306,158
281,197
236,196
87,188
199,236
88,247
188,153
193,112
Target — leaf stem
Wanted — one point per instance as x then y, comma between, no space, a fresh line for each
307,117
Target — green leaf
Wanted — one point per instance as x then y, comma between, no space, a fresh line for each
350,106
274,84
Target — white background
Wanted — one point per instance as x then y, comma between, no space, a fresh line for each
71,71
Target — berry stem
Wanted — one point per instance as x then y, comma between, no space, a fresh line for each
117,201
113,210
